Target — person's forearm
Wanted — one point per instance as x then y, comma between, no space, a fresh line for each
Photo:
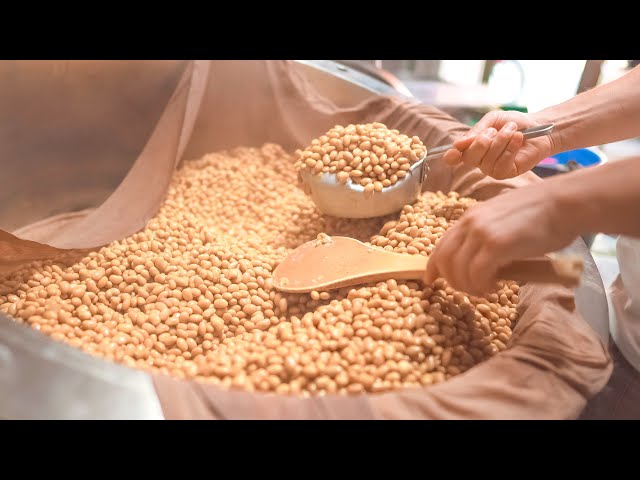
604,199
607,113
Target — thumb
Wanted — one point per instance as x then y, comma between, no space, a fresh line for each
432,272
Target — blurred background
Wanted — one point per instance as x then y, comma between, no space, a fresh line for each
467,89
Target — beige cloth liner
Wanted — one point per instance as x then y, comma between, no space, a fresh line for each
554,362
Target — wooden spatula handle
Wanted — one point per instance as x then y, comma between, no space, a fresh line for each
565,271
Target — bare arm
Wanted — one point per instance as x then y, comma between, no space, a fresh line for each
605,114
602,199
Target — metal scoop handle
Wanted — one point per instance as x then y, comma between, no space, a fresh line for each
528,133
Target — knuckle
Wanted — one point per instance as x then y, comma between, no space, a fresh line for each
504,136
473,222
494,240
484,142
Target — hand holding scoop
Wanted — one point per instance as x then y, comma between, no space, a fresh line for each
344,261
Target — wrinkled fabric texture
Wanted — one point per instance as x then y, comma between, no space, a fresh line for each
625,299
554,362
620,398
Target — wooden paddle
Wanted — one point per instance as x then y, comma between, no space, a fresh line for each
345,262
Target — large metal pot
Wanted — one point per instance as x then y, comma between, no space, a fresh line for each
42,378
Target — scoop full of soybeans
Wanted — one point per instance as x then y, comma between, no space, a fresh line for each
369,154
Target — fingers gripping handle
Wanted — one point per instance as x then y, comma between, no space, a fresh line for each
527,133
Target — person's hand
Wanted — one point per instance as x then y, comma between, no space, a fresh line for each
522,223
496,146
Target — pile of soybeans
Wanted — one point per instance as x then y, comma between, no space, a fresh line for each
368,154
191,295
